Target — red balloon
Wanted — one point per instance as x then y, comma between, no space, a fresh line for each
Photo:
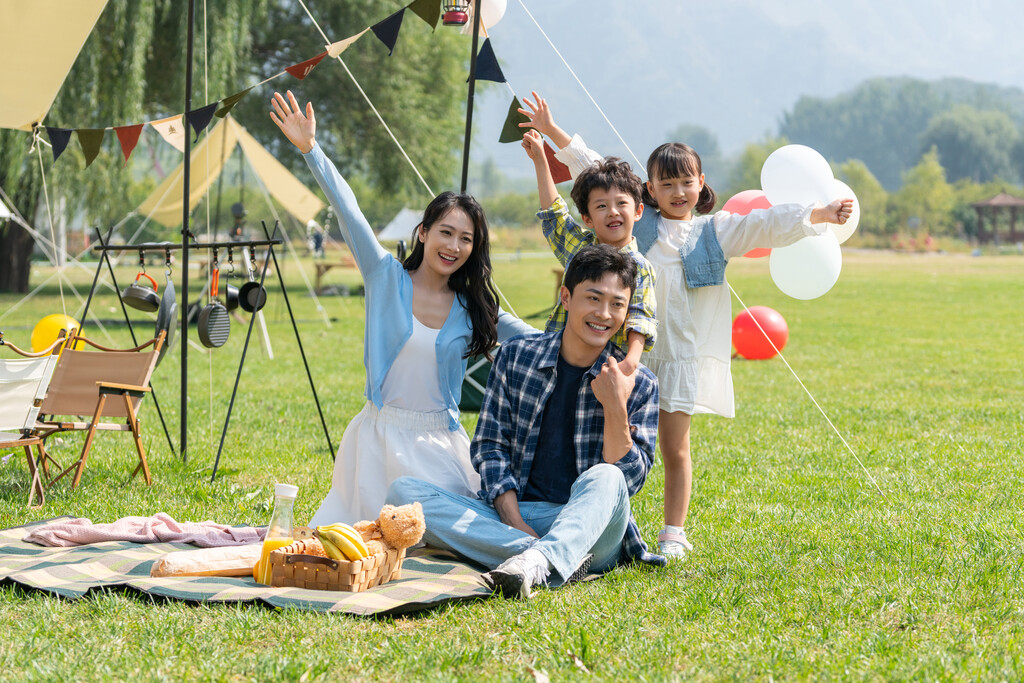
750,341
743,203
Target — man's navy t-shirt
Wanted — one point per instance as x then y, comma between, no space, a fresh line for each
554,466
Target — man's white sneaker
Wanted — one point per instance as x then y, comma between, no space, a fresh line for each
516,576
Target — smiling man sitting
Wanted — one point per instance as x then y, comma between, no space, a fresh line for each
564,439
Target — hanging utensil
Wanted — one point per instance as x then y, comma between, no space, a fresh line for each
252,297
214,321
167,317
140,297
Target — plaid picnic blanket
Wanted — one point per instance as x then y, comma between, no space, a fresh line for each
429,578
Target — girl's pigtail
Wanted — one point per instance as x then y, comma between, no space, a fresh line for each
706,200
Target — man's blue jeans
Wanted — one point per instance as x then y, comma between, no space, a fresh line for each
592,522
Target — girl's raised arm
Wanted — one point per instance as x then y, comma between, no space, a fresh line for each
300,129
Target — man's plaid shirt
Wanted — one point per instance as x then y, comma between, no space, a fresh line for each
521,380
566,237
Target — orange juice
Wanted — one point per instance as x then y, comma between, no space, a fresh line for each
261,572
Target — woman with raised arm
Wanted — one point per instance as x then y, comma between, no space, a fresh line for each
424,317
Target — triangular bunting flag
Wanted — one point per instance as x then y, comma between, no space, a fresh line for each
171,129
128,136
559,171
427,10
90,139
59,138
302,69
487,68
387,30
335,49
199,119
228,103
511,132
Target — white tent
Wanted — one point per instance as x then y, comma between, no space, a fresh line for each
401,226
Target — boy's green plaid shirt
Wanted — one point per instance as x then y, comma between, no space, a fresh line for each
566,237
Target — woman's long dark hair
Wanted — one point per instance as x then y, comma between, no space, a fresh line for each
472,282
676,160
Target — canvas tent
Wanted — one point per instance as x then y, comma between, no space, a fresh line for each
163,205
30,80
401,226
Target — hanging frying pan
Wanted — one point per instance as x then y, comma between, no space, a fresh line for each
167,317
214,321
252,297
139,297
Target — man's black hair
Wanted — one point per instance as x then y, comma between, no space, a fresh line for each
594,261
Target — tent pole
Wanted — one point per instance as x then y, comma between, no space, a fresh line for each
469,97
183,417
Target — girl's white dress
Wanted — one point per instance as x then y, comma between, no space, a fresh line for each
408,436
692,356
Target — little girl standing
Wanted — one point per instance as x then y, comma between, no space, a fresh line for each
689,253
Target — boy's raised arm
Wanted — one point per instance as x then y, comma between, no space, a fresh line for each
534,146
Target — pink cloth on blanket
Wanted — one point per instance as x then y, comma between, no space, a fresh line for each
160,528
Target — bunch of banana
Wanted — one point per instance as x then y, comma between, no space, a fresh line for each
342,542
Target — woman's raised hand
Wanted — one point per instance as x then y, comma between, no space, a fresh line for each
299,128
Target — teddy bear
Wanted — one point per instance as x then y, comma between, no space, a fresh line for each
397,527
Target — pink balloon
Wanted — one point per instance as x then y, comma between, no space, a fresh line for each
743,203
750,341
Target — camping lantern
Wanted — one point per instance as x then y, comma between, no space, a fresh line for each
456,13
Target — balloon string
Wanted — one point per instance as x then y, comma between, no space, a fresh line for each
809,395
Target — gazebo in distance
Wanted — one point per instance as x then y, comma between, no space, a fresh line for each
993,208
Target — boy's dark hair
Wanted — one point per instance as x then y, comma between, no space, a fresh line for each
609,173
594,261
676,160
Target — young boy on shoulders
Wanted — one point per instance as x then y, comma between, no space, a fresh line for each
608,196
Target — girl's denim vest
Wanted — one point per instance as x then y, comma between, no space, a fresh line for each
703,259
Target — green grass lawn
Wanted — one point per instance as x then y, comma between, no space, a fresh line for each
801,569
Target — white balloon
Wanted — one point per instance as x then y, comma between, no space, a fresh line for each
491,12
808,268
841,190
796,174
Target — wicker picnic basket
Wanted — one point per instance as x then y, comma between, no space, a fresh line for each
290,567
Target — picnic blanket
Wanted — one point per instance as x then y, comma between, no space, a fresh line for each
429,578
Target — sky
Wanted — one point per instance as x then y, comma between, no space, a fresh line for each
732,66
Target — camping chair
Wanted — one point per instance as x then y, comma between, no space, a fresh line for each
81,384
23,384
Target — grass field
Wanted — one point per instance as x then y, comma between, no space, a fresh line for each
801,568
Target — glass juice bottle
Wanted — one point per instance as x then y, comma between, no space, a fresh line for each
279,533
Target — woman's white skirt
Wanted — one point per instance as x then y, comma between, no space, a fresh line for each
382,445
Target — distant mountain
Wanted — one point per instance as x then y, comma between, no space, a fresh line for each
735,67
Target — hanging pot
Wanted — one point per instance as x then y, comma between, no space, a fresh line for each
252,297
214,321
140,297
167,317
231,297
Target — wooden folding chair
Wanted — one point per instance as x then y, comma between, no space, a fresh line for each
82,382
23,385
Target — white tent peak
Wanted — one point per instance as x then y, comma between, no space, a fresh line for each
401,226
163,205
